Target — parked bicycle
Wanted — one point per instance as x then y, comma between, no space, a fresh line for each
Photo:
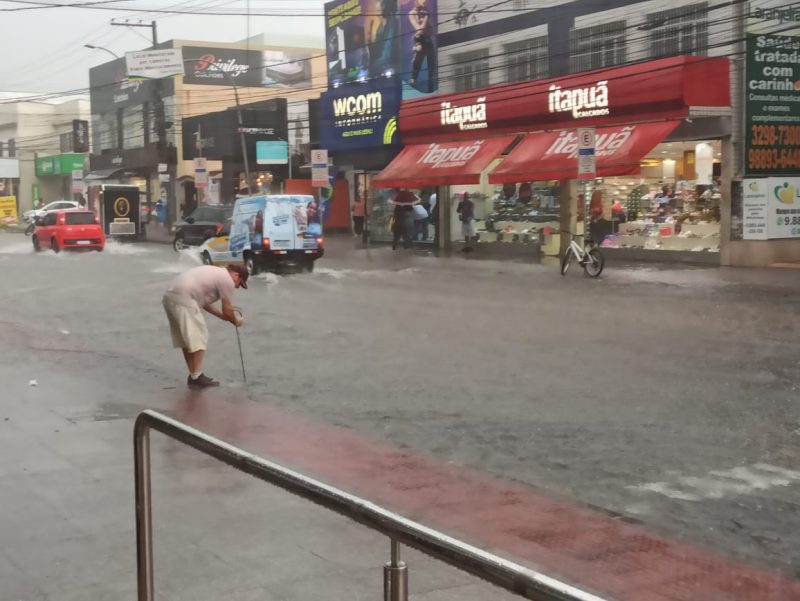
588,256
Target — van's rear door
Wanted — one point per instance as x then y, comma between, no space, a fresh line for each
280,224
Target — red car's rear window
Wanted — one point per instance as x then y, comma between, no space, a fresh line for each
78,218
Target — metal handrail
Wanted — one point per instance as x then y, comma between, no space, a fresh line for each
506,574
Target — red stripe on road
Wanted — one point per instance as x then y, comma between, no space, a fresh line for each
571,542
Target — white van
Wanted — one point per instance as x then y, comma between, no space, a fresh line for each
268,231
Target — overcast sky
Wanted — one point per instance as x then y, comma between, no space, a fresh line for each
43,49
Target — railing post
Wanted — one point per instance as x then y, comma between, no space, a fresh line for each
395,577
144,514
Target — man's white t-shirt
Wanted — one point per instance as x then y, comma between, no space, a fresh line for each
202,286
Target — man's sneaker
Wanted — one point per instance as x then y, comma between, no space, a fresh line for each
203,381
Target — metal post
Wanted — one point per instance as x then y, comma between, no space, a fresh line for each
241,136
144,514
395,577
586,216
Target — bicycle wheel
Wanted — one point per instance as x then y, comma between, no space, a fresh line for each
594,263
566,261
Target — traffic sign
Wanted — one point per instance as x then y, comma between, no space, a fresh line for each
319,168
200,173
587,166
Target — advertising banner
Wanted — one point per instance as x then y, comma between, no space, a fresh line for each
754,209
154,64
8,210
783,216
772,89
360,115
598,98
367,39
246,68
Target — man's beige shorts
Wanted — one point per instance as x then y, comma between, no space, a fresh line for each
187,325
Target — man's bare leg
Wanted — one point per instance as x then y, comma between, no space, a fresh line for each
194,361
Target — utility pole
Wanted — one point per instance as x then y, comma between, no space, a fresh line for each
152,25
241,137
160,117
199,146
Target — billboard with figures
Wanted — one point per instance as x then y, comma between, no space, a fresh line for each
366,39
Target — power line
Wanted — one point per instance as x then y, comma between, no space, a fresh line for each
433,101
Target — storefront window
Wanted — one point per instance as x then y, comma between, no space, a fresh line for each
674,204
511,213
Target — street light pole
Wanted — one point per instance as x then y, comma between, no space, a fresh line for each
93,47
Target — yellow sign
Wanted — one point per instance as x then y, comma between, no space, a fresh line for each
8,210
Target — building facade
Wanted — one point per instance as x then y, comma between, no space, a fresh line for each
137,124
688,197
43,149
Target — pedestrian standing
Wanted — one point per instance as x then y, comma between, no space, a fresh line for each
358,215
190,294
420,222
403,225
466,214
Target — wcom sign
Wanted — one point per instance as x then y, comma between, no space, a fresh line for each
361,115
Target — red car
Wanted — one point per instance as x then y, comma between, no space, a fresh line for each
74,229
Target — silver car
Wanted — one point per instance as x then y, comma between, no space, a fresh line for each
56,205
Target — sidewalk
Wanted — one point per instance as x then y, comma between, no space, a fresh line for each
66,489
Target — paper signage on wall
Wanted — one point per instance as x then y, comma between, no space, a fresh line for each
754,209
154,64
319,168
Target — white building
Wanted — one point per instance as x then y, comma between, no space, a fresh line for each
36,146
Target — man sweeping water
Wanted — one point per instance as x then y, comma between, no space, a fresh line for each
187,297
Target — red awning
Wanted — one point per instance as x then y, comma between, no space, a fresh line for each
451,163
554,155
